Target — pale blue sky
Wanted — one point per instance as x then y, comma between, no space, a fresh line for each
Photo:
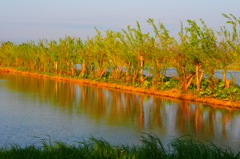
22,20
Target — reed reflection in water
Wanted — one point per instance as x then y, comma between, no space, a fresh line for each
120,116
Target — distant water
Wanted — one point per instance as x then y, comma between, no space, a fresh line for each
233,75
33,107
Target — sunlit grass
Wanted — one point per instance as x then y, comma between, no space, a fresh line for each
151,147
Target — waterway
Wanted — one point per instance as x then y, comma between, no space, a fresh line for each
34,107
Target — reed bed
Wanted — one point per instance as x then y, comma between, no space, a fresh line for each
151,147
139,59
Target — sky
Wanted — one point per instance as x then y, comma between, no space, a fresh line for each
25,20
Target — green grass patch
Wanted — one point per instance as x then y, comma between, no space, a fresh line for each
22,68
151,147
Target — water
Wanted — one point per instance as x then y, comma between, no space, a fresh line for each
33,107
233,75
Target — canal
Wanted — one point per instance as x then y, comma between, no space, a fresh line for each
34,107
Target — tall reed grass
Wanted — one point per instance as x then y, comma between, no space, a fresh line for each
151,147
123,56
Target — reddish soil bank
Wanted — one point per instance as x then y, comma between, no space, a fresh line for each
173,93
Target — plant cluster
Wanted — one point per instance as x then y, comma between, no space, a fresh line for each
135,58
152,147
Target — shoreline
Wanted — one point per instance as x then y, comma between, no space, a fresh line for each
172,93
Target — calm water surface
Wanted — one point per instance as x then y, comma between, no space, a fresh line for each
33,107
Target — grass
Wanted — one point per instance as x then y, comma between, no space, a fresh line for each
151,147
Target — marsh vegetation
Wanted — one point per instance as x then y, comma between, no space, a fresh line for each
151,147
123,57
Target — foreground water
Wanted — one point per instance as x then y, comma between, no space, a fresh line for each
33,107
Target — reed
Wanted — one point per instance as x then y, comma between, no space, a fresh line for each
123,56
151,147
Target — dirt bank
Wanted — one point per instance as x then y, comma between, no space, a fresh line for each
173,93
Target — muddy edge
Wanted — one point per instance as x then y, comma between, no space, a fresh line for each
170,94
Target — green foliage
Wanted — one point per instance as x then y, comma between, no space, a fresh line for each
131,56
137,84
220,91
146,84
151,147
186,147
22,68
172,83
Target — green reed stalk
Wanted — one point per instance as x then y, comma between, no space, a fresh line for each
151,147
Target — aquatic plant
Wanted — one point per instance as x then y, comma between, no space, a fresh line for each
151,147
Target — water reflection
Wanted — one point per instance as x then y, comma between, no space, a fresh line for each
129,114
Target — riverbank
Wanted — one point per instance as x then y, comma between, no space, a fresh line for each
172,93
151,147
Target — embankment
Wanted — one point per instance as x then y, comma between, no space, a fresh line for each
172,93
